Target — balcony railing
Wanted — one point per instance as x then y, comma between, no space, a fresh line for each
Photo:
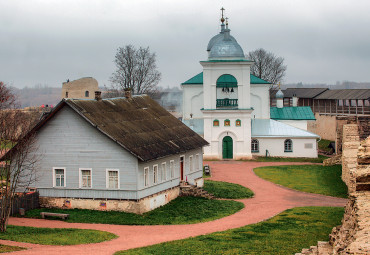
226,102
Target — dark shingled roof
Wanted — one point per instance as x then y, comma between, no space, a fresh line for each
140,125
345,94
303,92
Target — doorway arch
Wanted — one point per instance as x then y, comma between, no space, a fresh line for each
227,147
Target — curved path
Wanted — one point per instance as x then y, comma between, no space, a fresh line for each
269,200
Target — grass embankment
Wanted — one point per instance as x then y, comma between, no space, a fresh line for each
6,248
323,145
55,236
227,190
287,233
319,159
325,180
182,210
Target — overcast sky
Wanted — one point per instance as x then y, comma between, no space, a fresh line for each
47,42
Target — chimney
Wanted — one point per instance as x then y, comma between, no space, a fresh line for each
98,95
128,93
295,100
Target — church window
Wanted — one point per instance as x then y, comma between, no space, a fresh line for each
288,145
227,123
255,145
238,123
216,123
66,94
86,93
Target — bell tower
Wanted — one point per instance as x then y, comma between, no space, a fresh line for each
226,96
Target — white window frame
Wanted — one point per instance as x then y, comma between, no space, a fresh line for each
164,171
54,177
172,169
80,178
197,165
191,164
107,178
146,176
155,175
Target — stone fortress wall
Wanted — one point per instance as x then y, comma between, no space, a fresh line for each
353,236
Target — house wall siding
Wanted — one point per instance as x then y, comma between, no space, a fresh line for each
71,142
170,182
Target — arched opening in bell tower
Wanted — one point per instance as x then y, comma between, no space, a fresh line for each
226,91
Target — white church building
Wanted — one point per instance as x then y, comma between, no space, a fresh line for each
230,108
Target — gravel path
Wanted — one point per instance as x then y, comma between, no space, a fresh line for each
269,200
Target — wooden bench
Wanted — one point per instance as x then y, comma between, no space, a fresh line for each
60,215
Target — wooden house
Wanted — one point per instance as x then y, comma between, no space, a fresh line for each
126,154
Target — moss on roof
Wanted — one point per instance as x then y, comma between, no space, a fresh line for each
139,125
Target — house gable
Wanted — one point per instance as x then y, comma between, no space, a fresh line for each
68,141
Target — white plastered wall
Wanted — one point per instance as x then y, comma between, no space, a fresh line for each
302,124
275,147
192,101
241,135
260,101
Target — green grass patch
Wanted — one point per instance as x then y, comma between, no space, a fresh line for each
323,145
227,190
182,210
7,248
55,236
318,179
319,159
287,233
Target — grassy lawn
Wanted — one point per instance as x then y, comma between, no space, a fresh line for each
286,233
227,190
6,248
323,145
318,179
178,211
55,236
320,159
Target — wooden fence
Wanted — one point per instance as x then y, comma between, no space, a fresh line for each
27,201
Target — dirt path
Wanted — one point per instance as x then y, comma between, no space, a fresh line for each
269,200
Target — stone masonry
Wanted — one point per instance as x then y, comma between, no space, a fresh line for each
353,236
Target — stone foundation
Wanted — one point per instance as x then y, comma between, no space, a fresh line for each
141,206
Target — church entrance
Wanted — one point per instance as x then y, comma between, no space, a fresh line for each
227,147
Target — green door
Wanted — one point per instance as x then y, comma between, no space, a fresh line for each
227,147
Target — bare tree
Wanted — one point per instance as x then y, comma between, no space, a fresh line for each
267,66
18,164
136,70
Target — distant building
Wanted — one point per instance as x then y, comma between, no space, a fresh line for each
83,88
339,102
